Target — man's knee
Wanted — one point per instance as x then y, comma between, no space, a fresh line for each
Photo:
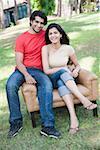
11,85
47,84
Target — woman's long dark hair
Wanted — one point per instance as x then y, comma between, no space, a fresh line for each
64,39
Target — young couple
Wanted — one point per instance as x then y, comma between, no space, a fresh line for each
41,58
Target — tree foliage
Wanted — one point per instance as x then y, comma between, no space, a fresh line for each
48,6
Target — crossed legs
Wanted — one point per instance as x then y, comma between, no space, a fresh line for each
86,103
66,86
69,82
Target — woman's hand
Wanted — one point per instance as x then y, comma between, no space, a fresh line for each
75,73
76,70
29,79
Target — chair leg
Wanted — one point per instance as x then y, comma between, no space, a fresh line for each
33,119
95,111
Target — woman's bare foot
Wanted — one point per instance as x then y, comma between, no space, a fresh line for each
91,106
73,130
74,126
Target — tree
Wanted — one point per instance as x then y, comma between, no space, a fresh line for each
72,5
48,6
67,8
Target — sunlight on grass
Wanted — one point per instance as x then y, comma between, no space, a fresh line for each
90,27
11,55
87,62
8,47
12,34
85,18
74,35
95,138
6,71
3,101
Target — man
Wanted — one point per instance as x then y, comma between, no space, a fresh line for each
29,70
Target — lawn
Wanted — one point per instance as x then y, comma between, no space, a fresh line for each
83,31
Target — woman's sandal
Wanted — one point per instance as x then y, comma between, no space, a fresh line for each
73,130
91,106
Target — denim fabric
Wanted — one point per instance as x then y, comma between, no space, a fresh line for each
66,76
44,93
59,79
62,88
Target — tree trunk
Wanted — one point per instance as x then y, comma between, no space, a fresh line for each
76,5
15,12
79,7
70,8
1,15
59,9
28,8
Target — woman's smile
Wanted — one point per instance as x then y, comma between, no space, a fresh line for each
54,35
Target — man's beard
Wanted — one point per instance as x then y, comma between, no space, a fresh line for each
36,31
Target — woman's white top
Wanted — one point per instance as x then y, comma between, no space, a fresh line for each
59,57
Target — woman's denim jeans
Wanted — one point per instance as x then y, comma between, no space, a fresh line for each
44,93
59,79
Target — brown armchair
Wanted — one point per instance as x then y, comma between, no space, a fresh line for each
87,84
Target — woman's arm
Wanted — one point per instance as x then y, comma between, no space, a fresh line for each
45,62
77,69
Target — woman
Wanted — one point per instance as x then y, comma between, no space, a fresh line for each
55,56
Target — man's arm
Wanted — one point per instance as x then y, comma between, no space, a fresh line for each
19,62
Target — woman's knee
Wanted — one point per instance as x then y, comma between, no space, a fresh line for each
62,88
66,76
60,83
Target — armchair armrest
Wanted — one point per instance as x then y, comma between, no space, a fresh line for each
89,80
85,77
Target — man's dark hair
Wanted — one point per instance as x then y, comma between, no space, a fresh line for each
39,14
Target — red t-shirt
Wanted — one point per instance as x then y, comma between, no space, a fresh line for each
30,45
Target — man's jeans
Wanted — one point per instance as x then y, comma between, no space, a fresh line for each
44,93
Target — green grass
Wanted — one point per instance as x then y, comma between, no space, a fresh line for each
83,31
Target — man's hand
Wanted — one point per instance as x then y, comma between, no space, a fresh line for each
29,79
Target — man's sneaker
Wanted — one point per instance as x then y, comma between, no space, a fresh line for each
14,129
50,131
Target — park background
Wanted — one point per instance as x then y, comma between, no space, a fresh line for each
80,19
